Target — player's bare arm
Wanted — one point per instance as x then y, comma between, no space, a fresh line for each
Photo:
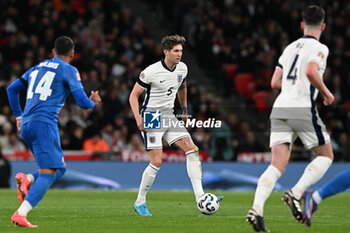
182,96
276,81
134,103
315,78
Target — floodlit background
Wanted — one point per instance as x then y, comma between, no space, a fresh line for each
231,51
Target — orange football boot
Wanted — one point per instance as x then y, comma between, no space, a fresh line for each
23,185
21,221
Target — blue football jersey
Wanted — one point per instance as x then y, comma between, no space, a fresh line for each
49,84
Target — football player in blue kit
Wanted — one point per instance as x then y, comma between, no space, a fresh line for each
338,184
48,84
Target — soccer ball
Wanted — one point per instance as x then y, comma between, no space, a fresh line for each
208,204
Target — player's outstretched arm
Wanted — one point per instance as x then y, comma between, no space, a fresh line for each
83,101
134,104
316,80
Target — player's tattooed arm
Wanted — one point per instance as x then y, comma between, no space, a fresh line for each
182,96
134,103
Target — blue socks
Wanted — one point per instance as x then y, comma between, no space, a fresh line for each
39,188
36,174
60,172
42,183
338,184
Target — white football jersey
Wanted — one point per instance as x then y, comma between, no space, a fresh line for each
297,92
161,84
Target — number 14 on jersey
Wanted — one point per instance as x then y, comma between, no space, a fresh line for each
43,87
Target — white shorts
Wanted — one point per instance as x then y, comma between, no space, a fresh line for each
311,132
171,130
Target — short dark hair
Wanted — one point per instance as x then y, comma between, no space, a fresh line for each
63,45
313,15
168,42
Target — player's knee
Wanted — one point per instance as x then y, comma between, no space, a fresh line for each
191,149
157,163
324,150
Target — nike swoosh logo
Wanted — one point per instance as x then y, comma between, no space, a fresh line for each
161,81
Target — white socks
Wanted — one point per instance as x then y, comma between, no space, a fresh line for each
265,186
24,209
317,198
148,177
312,173
194,171
31,178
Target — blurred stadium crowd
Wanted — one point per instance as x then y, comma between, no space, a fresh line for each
236,42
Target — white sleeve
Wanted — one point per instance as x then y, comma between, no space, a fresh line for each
318,55
144,79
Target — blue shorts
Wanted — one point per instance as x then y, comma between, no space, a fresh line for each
44,141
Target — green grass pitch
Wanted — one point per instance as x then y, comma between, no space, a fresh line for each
112,211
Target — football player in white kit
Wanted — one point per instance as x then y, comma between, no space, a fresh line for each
299,75
162,81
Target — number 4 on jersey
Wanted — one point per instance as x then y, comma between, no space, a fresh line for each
292,74
43,87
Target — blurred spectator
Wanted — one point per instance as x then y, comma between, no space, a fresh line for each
5,171
117,144
220,144
5,132
113,46
76,139
65,142
14,144
250,144
344,144
136,143
95,144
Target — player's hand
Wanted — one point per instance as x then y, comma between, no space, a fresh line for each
94,96
18,124
328,98
139,122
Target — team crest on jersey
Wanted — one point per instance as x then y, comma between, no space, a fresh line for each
78,77
179,78
320,54
142,75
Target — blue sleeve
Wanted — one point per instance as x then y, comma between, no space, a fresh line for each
13,96
73,79
82,100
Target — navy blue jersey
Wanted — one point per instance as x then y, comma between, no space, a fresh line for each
49,84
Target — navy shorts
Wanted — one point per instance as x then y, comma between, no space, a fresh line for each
44,141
